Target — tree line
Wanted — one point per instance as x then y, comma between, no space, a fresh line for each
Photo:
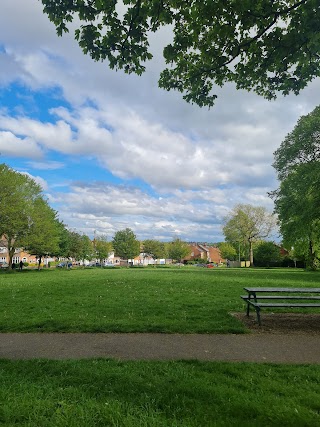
297,202
27,221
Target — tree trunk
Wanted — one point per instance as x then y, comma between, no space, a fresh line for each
11,253
39,262
251,252
312,261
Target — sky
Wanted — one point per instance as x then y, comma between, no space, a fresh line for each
112,150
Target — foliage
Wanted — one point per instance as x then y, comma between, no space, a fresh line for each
297,200
227,251
70,243
18,208
264,46
86,248
155,248
301,146
177,249
266,254
248,224
298,212
102,248
125,244
43,238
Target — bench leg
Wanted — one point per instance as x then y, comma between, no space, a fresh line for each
258,315
250,296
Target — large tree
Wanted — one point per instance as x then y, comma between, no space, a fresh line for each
86,249
297,204
102,248
300,146
178,249
297,200
44,234
70,244
155,248
18,196
267,253
261,45
125,244
228,251
248,224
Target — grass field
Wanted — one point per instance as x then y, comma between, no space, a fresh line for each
157,394
90,393
184,300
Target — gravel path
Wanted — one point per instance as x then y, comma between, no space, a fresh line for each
260,347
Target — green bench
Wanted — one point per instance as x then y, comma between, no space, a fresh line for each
283,298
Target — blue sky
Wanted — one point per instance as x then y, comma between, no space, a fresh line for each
114,151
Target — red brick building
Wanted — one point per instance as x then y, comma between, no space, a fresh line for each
204,252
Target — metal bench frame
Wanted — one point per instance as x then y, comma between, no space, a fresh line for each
252,299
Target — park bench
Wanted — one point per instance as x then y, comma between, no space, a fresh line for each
284,298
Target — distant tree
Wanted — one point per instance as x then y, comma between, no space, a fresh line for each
265,46
18,194
125,244
43,238
86,249
248,224
70,243
267,253
154,248
297,253
227,251
102,248
178,249
75,245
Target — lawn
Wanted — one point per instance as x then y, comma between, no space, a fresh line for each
102,392
185,300
157,394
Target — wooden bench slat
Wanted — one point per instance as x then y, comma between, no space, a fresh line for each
289,290
279,297
255,295
266,304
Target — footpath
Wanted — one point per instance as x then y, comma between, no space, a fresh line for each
263,348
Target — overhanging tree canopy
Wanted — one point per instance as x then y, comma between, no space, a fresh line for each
261,45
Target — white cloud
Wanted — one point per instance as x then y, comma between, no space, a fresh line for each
49,165
12,145
200,162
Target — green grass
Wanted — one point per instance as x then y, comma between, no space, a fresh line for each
110,393
157,394
185,300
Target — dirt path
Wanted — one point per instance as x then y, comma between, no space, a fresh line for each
261,347
282,338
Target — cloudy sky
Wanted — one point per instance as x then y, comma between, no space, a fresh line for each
114,151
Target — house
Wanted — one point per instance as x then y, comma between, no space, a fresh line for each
205,252
144,259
